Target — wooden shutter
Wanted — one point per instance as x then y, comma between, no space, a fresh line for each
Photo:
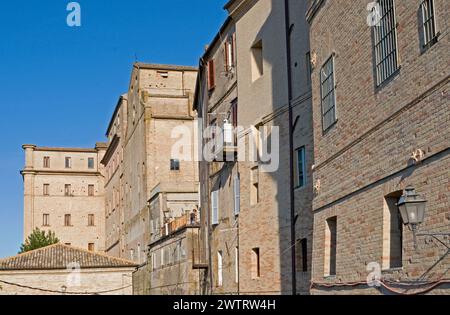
211,75
237,195
215,208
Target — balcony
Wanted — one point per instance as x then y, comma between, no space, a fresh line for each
178,224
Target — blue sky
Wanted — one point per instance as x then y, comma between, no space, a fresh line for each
59,85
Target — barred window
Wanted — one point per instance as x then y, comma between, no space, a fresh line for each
385,34
328,94
429,23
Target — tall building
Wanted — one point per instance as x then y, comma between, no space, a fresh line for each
114,169
381,123
257,207
64,193
217,105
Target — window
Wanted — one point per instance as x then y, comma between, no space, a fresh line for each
236,264
385,35
257,60
163,74
46,162
308,67
255,264
91,220
392,233
68,162
330,247
219,268
46,219
67,190
237,195
211,75
302,255
91,247
67,220
91,164
68,244
429,23
91,190
229,52
46,190
300,167
174,165
215,207
328,95
254,189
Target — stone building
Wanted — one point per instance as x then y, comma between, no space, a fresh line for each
64,193
64,270
381,109
114,170
253,234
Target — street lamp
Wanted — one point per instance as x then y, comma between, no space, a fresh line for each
412,211
412,208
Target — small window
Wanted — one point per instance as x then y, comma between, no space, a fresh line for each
328,95
330,247
46,190
68,162
254,189
163,74
46,162
91,163
300,167
91,247
302,255
385,34
67,220
174,165
257,60
68,244
46,219
211,75
91,190
91,220
215,207
67,190
429,23
219,268
256,263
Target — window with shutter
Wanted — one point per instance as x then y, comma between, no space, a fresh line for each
237,195
215,208
211,75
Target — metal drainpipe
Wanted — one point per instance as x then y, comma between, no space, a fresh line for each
291,144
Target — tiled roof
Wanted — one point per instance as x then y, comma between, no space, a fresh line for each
60,256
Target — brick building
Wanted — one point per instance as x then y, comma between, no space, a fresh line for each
381,123
246,203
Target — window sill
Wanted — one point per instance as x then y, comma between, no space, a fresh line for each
330,128
300,188
331,277
431,43
392,270
388,80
